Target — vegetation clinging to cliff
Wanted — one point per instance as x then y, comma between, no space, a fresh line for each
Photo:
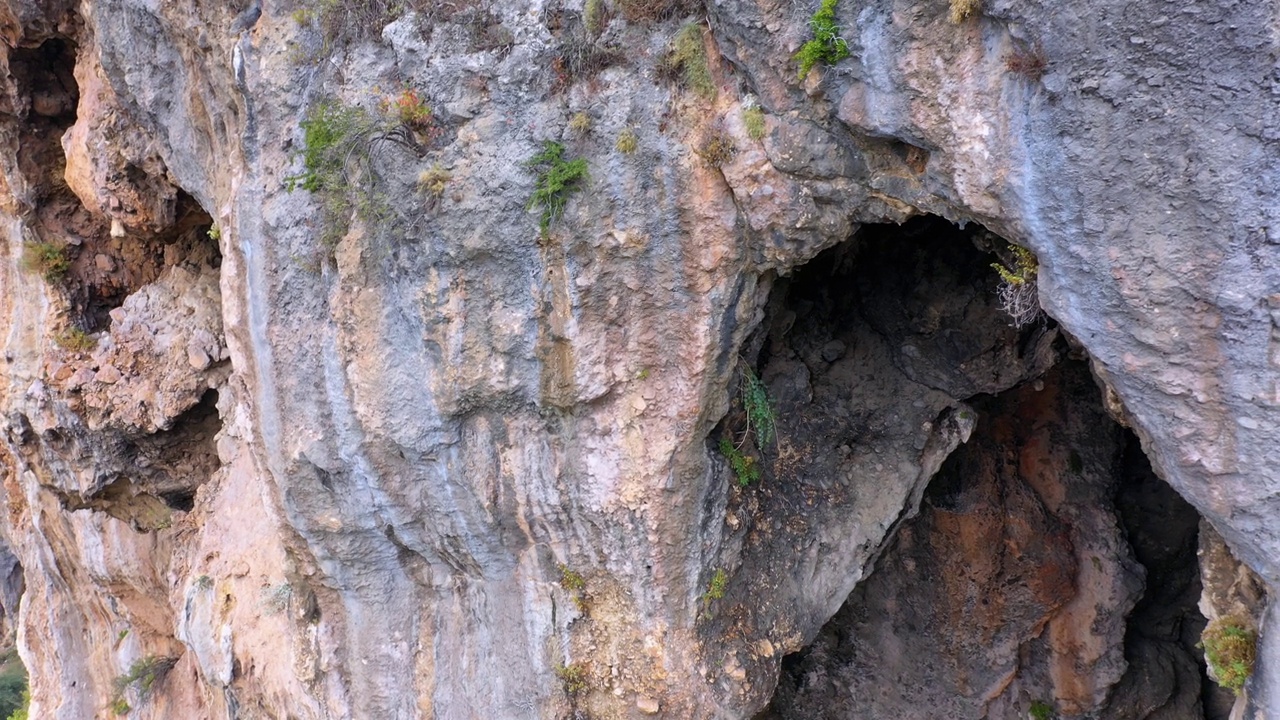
1230,648
558,178
689,57
1019,296
827,46
337,147
47,259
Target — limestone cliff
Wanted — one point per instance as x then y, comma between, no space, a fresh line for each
302,433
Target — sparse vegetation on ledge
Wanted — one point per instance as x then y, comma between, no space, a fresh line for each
47,259
827,46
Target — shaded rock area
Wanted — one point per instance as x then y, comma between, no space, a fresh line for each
868,352
1048,568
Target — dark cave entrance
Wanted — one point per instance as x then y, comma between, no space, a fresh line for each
1048,569
103,268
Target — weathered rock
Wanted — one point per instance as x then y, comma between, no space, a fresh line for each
420,424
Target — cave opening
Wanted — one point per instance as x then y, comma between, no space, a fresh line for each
1044,568
105,261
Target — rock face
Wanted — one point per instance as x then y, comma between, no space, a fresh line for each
1016,586
395,453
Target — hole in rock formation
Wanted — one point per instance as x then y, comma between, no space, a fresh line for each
1048,571
111,269
105,267
147,478
46,97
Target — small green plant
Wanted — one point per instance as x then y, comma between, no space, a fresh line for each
717,149
827,46
1230,648
329,134
753,121
1018,294
744,466
75,340
558,178
962,9
628,141
1040,710
204,582
1024,267
573,678
142,677
580,123
46,258
434,180
716,588
337,166
755,399
571,581
120,636
214,233
689,58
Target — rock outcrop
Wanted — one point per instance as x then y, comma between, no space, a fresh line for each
276,448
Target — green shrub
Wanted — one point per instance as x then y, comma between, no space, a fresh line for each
1040,710
75,340
338,141
142,676
23,710
46,258
744,466
688,57
827,46
1230,649
716,589
14,694
558,178
570,580
753,121
628,142
328,136
573,678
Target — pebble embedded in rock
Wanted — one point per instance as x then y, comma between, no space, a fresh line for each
833,351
